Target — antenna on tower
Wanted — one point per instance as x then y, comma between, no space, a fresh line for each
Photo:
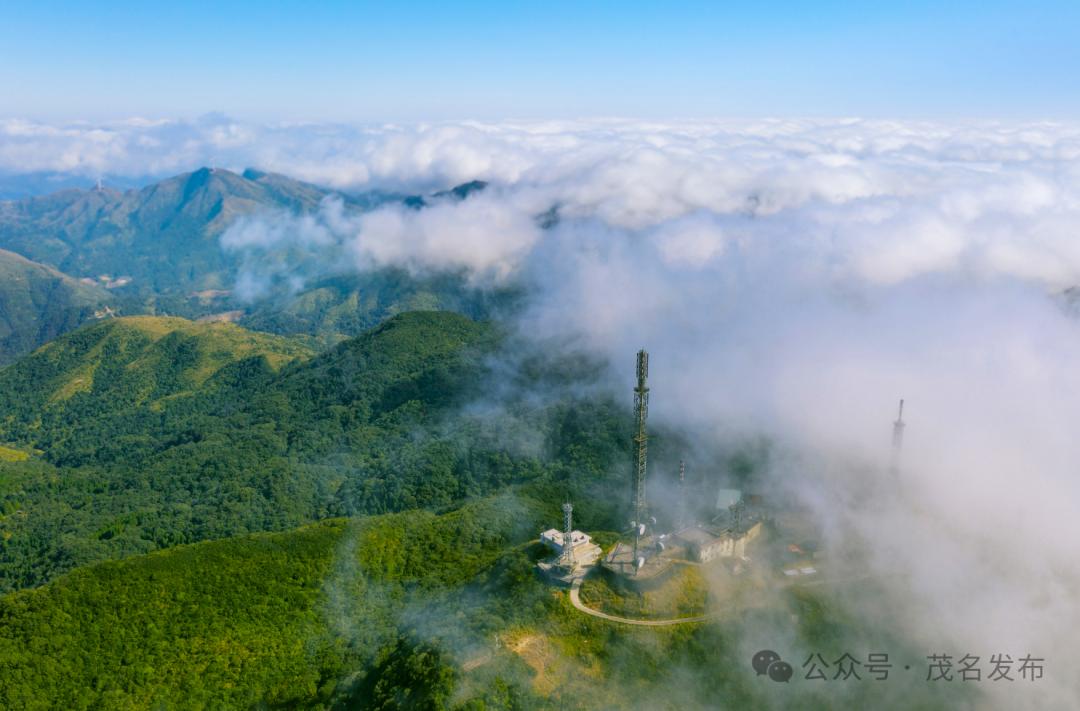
641,442
684,504
566,560
736,511
897,440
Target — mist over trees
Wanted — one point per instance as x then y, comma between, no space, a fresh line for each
266,443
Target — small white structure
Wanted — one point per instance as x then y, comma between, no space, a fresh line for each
705,545
553,539
585,551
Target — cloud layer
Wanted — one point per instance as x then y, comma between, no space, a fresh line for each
791,278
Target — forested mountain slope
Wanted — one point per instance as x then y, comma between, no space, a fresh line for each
164,236
38,303
401,611
179,432
120,363
283,619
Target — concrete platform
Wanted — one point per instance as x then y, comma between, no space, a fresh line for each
620,563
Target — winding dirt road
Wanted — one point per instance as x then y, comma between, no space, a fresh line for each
575,600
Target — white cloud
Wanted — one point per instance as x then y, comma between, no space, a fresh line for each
790,277
485,235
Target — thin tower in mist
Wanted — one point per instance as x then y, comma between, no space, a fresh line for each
684,505
897,441
566,560
641,444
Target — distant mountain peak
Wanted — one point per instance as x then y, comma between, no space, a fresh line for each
464,190
163,235
457,193
197,180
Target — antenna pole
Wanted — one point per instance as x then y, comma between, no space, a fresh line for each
897,441
684,504
641,445
566,560
736,510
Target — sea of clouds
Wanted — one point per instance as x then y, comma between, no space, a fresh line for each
791,278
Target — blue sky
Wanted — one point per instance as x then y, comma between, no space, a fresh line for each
356,61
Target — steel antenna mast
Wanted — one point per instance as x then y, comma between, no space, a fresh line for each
897,440
641,445
566,560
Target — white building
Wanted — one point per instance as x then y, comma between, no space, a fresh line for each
705,545
585,551
553,539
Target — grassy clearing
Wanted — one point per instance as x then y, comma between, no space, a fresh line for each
684,594
7,454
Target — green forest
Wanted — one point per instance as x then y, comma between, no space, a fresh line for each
329,498
197,516
147,433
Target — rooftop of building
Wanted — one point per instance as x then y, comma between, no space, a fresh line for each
698,535
555,536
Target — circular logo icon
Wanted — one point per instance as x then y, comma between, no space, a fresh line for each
763,659
780,671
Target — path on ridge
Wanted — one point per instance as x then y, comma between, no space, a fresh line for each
575,600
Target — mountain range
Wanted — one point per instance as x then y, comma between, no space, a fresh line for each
163,237
155,250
